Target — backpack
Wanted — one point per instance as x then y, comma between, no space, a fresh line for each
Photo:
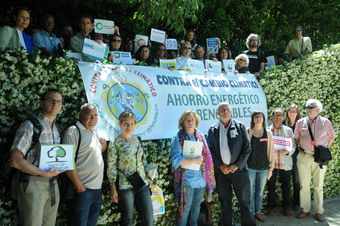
10,176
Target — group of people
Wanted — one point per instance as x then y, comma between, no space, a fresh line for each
230,158
46,41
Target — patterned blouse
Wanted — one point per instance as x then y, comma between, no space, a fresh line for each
125,157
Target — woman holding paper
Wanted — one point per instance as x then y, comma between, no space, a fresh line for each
193,169
126,174
260,165
284,147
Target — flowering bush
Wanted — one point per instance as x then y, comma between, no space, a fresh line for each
23,79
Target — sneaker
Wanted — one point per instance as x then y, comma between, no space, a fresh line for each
260,217
319,217
302,215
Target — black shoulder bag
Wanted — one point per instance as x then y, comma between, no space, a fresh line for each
322,154
134,179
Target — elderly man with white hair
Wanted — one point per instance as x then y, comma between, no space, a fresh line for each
323,133
229,146
256,57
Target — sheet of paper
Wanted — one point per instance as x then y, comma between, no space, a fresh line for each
196,66
270,61
120,57
157,35
104,26
229,65
140,40
94,49
213,66
171,44
282,143
213,45
58,157
192,150
167,63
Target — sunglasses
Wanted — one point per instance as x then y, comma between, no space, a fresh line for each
116,40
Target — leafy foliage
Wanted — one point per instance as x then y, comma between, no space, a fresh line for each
316,76
23,79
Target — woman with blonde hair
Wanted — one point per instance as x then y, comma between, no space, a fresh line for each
193,169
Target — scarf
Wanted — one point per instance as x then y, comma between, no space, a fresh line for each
207,168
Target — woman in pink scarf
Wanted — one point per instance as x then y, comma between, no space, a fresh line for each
193,169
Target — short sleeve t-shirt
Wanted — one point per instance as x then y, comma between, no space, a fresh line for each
255,60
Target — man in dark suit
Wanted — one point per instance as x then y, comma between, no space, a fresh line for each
229,146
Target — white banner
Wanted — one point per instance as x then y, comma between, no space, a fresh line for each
159,96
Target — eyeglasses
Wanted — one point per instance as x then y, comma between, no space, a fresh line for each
116,40
186,47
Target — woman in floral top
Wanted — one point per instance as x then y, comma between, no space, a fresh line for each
125,158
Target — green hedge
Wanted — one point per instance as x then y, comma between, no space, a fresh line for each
316,76
23,79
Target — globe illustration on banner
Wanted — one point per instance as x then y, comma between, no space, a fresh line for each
126,97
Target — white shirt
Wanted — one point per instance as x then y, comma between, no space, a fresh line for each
21,39
89,162
224,146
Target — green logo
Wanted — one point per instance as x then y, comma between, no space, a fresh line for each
56,153
99,26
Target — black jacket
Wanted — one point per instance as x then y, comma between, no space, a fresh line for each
239,145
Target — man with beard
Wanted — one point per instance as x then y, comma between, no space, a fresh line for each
256,57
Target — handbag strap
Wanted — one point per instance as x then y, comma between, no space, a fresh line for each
78,145
310,132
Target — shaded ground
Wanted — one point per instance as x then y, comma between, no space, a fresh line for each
332,215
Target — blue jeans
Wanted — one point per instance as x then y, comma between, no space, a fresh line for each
87,207
192,205
258,180
142,200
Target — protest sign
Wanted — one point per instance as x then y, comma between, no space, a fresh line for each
213,66
140,40
94,49
157,35
167,64
56,157
171,44
192,150
196,66
104,26
229,65
282,143
213,45
270,61
119,57
158,97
